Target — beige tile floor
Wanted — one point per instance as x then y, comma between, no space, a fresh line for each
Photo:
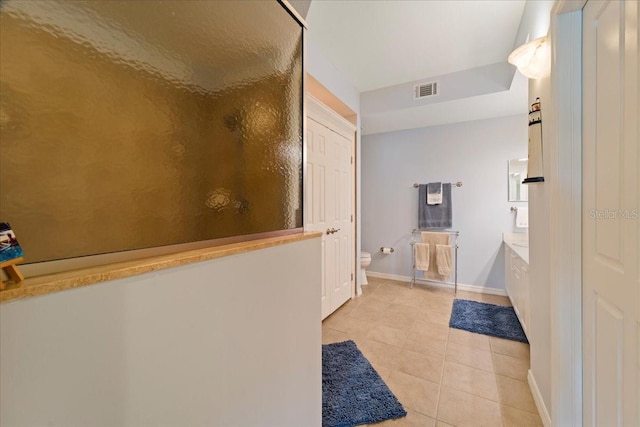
442,376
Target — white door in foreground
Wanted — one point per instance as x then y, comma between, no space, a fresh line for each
611,199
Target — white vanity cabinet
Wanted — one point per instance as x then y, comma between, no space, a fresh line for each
517,283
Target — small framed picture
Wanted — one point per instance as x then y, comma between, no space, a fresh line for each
9,246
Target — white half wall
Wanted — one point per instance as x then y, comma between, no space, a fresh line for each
233,341
475,153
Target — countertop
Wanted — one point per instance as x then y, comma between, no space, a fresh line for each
519,243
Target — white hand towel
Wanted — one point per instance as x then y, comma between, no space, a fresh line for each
522,217
443,259
434,193
422,254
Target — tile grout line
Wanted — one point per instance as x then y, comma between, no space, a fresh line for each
495,380
444,360
415,320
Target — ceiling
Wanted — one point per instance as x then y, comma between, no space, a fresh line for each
384,47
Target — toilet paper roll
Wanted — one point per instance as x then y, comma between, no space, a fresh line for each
386,250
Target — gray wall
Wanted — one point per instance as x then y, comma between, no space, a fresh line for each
475,153
233,341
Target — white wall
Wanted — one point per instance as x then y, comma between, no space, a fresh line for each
233,341
321,68
475,153
555,238
566,216
535,23
539,249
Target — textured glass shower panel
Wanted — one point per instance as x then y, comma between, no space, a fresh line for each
134,124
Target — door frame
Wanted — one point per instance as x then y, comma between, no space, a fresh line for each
566,215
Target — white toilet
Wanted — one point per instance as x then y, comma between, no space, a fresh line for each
365,260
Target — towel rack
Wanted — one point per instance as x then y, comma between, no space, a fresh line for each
454,234
456,184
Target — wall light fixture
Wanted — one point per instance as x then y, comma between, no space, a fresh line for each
532,58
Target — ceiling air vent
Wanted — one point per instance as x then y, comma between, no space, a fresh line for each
425,89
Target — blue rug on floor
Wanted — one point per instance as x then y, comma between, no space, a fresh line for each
487,319
352,391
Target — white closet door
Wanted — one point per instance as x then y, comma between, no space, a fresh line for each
329,205
343,239
611,232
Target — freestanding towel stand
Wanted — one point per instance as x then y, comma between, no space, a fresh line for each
454,235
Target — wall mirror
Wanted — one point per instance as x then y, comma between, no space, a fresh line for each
517,170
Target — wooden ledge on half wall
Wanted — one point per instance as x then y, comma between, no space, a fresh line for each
56,282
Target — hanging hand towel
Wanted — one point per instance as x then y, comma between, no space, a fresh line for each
434,239
443,259
435,216
522,217
422,256
434,193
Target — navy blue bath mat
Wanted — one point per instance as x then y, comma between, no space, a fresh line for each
487,319
352,391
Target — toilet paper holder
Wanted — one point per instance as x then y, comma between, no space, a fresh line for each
386,250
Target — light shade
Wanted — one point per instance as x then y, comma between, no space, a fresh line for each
532,58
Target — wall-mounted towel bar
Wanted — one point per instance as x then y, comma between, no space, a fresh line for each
453,184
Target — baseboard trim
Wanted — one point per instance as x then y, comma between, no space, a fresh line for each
461,286
537,398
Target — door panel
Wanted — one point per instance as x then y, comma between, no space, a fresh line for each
342,221
608,170
608,330
611,194
330,191
315,208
